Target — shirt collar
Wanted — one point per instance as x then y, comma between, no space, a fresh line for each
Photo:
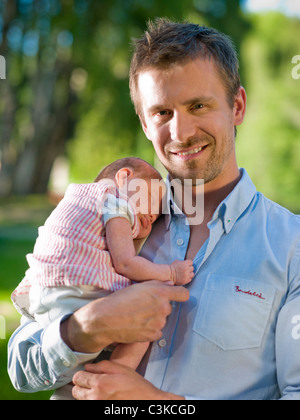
229,210
236,202
171,209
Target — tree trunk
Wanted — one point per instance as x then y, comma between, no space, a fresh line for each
53,126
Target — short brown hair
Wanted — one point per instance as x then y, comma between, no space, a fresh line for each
166,43
138,166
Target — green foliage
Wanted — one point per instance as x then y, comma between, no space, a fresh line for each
7,391
108,128
67,82
13,265
19,220
269,140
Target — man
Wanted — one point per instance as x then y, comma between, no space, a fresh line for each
233,332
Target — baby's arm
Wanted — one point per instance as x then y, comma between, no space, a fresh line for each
126,262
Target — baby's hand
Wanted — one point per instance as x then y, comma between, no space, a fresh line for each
182,272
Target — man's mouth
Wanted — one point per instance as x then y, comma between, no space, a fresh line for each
189,153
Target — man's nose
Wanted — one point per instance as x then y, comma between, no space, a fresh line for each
182,127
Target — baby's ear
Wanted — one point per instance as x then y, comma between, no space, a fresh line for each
123,176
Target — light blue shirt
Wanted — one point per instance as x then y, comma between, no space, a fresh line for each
238,336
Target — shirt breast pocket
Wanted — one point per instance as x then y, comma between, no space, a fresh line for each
233,313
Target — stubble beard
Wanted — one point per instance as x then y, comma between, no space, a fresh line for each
207,172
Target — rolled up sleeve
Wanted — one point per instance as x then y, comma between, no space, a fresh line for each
38,358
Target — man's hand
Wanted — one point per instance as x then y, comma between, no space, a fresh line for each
135,314
111,381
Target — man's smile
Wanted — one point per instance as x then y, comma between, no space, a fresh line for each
189,154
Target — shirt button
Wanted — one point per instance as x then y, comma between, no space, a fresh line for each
46,382
180,242
162,343
65,363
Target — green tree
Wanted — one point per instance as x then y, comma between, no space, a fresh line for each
67,82
109,129
35,99
269,139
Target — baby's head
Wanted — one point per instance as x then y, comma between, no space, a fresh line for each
134,177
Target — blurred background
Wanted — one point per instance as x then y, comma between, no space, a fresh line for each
65,108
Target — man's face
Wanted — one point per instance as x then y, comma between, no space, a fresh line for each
186,115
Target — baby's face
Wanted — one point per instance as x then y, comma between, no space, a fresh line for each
145,224
147,200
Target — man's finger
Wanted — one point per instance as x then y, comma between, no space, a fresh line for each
178,294
81,394
175,293
105,367
82,379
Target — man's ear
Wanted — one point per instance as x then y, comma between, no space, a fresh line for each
123,176
239,107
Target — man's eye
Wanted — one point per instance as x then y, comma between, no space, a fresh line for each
198,106
163,113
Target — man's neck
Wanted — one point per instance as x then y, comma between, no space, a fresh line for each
214,195
205,197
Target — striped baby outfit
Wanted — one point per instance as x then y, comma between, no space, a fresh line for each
71,247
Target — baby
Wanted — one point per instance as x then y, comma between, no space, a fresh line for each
86,249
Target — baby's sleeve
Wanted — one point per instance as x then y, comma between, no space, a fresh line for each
116,207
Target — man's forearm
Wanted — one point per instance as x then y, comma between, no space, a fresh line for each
78,340
41,359
135,314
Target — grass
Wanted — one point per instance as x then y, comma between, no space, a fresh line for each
19,220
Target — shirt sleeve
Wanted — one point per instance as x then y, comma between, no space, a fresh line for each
39,360
116,207
288,338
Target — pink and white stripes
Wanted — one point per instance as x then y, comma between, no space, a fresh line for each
71,248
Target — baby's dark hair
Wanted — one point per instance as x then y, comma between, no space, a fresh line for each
137,165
